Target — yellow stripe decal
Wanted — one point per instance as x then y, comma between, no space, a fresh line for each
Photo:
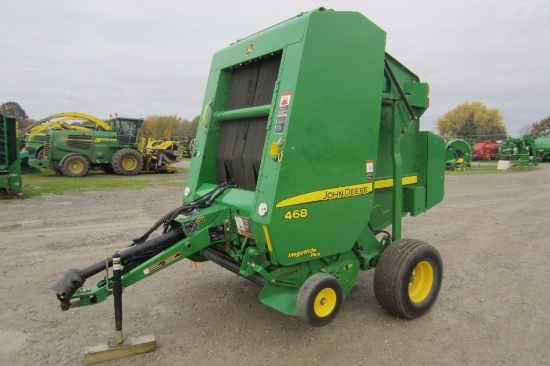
327,194
343,192
267,239
388,183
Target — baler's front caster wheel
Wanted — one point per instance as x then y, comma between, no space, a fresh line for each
408,277
319,299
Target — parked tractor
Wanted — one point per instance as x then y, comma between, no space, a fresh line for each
116,148
10,163
308,148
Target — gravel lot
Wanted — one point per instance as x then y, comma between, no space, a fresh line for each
492,232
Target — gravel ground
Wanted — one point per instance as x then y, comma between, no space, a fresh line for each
492,232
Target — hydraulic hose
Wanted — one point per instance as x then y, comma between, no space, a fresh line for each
67,286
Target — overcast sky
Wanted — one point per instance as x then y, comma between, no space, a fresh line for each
141,57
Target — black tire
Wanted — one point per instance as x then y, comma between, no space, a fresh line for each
408,278
74,165
127,162
319,299
108,169
39,155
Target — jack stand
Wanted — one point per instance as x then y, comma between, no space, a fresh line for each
121,347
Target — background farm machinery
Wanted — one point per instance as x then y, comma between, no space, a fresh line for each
458,154
519,151
72,149
485,150
10,163
542,148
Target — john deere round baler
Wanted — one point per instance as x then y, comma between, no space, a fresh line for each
308,148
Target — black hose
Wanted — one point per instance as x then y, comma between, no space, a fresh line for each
399,90
201,202
67,286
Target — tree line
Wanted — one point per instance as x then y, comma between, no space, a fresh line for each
477,121
473,120
155,126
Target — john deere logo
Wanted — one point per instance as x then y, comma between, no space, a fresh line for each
249,49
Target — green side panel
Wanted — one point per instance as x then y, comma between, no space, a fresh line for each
432,152
319,150
415,200
416,94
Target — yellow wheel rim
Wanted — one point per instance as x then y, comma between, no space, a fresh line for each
421,282
325,302
76,167
129,163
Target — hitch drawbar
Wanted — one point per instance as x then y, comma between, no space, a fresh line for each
69,284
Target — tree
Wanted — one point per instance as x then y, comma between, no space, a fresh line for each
488,121
468,128
538,129
163,127
15,110
526,130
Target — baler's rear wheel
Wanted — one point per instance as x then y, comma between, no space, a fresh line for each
408,277
319,299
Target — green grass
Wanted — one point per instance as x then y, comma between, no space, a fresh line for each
48,183
490,167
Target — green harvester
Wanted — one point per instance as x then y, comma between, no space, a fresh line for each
10,162
308,148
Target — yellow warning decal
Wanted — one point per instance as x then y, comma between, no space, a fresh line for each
162,263
343,192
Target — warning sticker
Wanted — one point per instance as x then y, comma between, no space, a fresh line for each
216,233
243,226
162,263
370,170
282,112
190,227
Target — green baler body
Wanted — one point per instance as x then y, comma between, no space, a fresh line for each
302,118
305,121
10,163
